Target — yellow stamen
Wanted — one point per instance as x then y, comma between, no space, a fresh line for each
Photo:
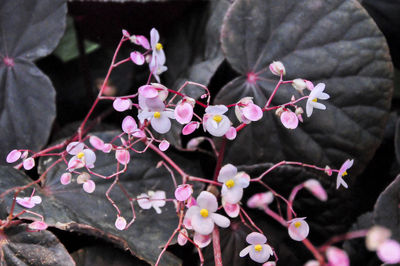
159,46
217,118
314,100
204,213
258,248
230,183
297,224
80,155
157,114
344,173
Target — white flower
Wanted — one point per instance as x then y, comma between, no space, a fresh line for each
214,120
82,157
152,199
342,172
233,183
298,229
159,118
312,101
258,249
158,56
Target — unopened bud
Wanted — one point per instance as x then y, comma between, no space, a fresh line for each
299,111
279,111
277,68
299,85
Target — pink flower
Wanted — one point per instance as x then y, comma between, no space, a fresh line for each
233,183
246,111
277,68
82,157
260,200
337,257
121,104
13,156
202,217
389,252
96,142
137,58
184,110
164,145
232,210
190,128
120,223
200,240
159,119
29,202
152,199
215,122
183,192
258,250
231,134
289,119
65,178
342,172
28,163
38,225
140,40
129,125
182,237
298,229
122,156
88,185
316,189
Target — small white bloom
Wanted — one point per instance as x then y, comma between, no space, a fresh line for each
233,183
214,120
298,229
159,118
312,101
258,250
155,199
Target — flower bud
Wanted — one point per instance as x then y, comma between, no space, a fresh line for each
277,68
299,85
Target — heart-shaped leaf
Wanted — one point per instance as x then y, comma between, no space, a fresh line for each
334,42
69,207
29,30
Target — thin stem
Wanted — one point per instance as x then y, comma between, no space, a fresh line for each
217,247
220,158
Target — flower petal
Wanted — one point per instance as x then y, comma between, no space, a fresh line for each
299,232
143,201
259,256
227,172
256,238
120,223
89,186
220,220
202,225
96,142
13,156
121,104
207,200
201,240
129,125
161,125
245,251
75,147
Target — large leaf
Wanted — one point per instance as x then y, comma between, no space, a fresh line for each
29,30
20,247
69,207
334,42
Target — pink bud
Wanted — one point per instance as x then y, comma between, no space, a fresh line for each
336,256
164,145
182,237
125,33
316,189
137,58
129,125
289,119
107,148
38,225
183,112
29,163
252,112
389,252
183,192
120,223
96,142
65,178
148,91
89,186
231,134
328,170
121,104
13,156
277,68
190,128
122,156
376,236
309,85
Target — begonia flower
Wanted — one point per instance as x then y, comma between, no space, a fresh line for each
121,104
190,128
231,134
201,241
182,237
214,120
312,101
342,172
13,156
233,183
232,210
389,252
260,200
129,125
164,145
299,85
298,229
122,156
120,223
65,178
246,111
157,47
28,163
159,118
277,68
184,110
376,236
183,192
337,257
137,58
140,40
29,202
258,250
155,199
201,218
289,119
314,186
88,185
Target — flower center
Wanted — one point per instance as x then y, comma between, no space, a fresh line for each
217,118
80,155
297,224
159,46
230,183
314,100
157,115
344,173
204,213
258,248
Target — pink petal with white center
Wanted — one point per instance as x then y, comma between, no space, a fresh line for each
316,189
227,172
337,257
232,195
13,156
202,225
122,156
164,145
25,202
190,128
107,148
120,223
37,225
28,163
143,201
121,104
90,157
65,178
89,186
162,125
36,199
207,200
75,147
141,40
129,125
183,192
220,220
262,255
389,252
148,91
216,109
182,237
96,142
252,112
231,134
137,58
242,179
298,229
201,241
245,251
183,113
289,119
256,238
231,209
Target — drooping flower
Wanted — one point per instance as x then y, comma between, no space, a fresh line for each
289,119
184,110
260,200
182,237
190,128
316,189
312,101
29,202
337,257
246,111
164,145
155,199
139,40
298,229
299,85
28,163
159,118
157,47
277,68
82,157
88,185
214,120
233,183
129,125
258,250
122,156
389,252
201,218
342,172
137,58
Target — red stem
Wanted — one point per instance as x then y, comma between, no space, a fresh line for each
217,247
